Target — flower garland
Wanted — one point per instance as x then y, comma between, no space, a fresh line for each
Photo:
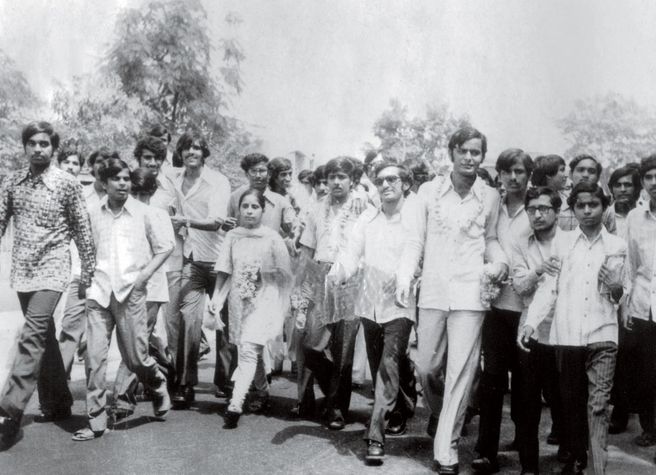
247,283
465,223
337,228
490,287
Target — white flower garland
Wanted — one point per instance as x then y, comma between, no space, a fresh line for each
337,230
247,283
465,222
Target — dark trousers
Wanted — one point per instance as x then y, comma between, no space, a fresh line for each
499,356
586,379
38,363
392,371
226,355
333,364
537,374
635,379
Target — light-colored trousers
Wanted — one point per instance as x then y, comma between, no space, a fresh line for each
249,370
452,338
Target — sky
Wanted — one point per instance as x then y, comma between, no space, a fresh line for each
317,74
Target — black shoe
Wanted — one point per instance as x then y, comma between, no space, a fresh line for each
616,428
178,399
375,453
225,393
564,455
231,420
336,422
485,465
431,429
552,439
52,416
397,425
189,394
258,404
573,468
448,469
10,432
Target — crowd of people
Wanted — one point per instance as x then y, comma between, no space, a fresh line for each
537,274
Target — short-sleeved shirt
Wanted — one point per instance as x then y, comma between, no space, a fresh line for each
125,243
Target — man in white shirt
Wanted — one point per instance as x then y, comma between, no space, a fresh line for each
203,196
638,311
583,297
514,167
376,238
454,227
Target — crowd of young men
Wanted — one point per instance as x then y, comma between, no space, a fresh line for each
571,272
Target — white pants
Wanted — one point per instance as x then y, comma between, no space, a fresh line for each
454,336
249,354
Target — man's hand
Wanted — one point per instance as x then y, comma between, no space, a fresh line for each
612,279
524,337
550,267
627,321
499,271
178,222
82,291
228,224
402,294
141,281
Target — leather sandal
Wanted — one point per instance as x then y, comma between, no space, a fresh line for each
85,434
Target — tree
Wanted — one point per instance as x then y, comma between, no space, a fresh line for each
613,128
403,137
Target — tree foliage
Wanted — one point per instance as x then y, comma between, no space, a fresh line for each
403,137
613,128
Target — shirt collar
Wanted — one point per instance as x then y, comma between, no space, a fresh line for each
477,189
130,205
504,207
48,177
602,236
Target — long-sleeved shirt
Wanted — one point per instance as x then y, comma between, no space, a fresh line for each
455,236
641,266
207,199
48,210
374,243
125,243
582,314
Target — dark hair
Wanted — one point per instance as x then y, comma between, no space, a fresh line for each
621,172
370,157
510,157
545,167
341,165
67,152
252,159
464,134
585,187
153,144
404,173
484,175
276,167
34,128
253,192
102,153
318,174
158,130
534,193
359,170
579,158
303,174
646,164
186,141
144,180
110,168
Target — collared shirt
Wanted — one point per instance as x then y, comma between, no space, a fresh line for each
125,243
567,220
582,314
207,199
527,254
48,210
92,199
455,236
376,240
641,264
327,229
278,215
510,227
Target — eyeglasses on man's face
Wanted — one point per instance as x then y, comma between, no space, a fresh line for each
532,210
391,179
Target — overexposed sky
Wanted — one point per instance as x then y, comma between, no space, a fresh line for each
319,73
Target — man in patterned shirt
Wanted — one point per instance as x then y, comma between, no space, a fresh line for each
48,209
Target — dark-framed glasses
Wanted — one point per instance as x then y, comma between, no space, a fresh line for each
542,209
391,179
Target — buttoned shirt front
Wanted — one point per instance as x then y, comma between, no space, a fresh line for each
455,236
510,227
374,243
582,314
207,199
48,210
278,215
641,264
125,243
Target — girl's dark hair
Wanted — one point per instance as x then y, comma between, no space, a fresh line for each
253,192
276,167
143,181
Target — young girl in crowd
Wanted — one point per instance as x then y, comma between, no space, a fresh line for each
254,275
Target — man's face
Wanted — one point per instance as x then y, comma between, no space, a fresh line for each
541,215
258,176
389,185
339,184
284,179
515,179
558,181
321,188
623,190
38,149
585,171
588,210
192,157
467,157
71,164
649,183
148,160
118,187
